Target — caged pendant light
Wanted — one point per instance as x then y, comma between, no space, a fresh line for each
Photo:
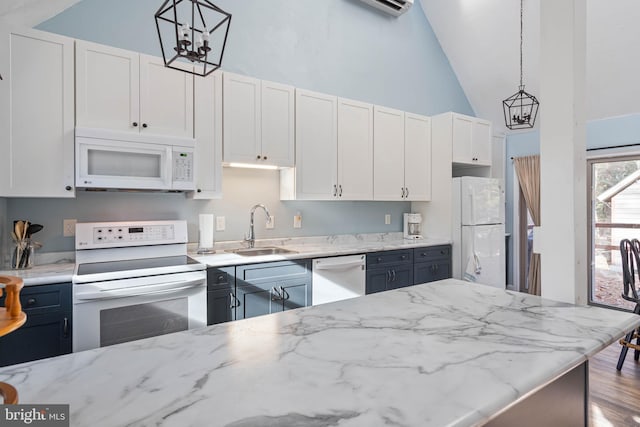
520,109
193,35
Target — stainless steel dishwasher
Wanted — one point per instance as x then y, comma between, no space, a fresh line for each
338,278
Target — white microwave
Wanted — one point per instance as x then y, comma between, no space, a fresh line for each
121,160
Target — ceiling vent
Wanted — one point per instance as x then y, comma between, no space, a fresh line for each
392,7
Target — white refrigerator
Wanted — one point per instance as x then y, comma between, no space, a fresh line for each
478,231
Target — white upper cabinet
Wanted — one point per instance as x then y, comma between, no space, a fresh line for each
126,91
355,150
402,156
314,177
258,121
208,134
242,117
278,124
36,114
388,154
471,140
417,157
166,98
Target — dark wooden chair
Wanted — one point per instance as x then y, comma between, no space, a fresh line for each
630,254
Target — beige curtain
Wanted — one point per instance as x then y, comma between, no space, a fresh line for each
528,171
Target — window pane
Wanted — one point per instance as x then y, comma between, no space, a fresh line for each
615,215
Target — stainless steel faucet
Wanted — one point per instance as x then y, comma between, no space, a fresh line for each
251,237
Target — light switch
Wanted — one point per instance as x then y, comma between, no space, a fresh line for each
220,223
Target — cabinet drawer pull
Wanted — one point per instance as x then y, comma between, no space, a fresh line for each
379,259
403,257
423,254
65,328
220,278
68,188
31,301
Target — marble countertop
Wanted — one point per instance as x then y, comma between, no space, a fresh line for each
304,247
448,353
43,274
315,247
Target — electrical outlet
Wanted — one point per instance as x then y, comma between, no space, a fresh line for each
220,223
69,227
271,223
387,219
297,220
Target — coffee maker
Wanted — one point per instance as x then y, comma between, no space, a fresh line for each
412,226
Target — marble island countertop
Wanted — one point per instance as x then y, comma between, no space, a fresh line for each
447,353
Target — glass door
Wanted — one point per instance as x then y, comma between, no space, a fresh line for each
614,214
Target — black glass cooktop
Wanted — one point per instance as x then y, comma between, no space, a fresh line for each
134,264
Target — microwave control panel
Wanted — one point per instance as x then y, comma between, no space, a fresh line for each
183,166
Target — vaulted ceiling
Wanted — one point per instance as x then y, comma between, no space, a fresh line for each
481,40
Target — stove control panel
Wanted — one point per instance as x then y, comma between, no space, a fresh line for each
125,234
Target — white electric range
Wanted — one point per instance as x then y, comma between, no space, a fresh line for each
134,280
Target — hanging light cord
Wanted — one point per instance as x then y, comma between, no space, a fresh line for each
521,1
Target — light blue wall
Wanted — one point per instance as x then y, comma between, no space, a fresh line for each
602,133
341,47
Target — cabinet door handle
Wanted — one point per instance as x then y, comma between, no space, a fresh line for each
403,257
135,124
402,194
340,194
235,302
31,301
264,158
394,275
68,188
388,276
220,278
379,259
258,157
335,190
407,192
285,294
275,294
144,125
423,254
65,327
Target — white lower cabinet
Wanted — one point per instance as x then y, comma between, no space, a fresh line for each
402,156
36,114
208,136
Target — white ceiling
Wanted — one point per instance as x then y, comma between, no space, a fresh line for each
30,13
481,40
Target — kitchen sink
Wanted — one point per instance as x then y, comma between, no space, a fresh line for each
267,250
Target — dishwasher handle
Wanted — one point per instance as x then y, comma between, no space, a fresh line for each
339,266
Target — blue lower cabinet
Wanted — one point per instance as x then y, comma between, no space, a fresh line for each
221,299
431,264
252,290
47,331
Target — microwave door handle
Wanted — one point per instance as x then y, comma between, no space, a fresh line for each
139,290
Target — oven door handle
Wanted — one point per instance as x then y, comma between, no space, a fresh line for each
163,288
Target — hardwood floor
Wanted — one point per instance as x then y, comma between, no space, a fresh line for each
614,396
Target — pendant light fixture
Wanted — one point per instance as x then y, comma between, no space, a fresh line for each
193,35
520,109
